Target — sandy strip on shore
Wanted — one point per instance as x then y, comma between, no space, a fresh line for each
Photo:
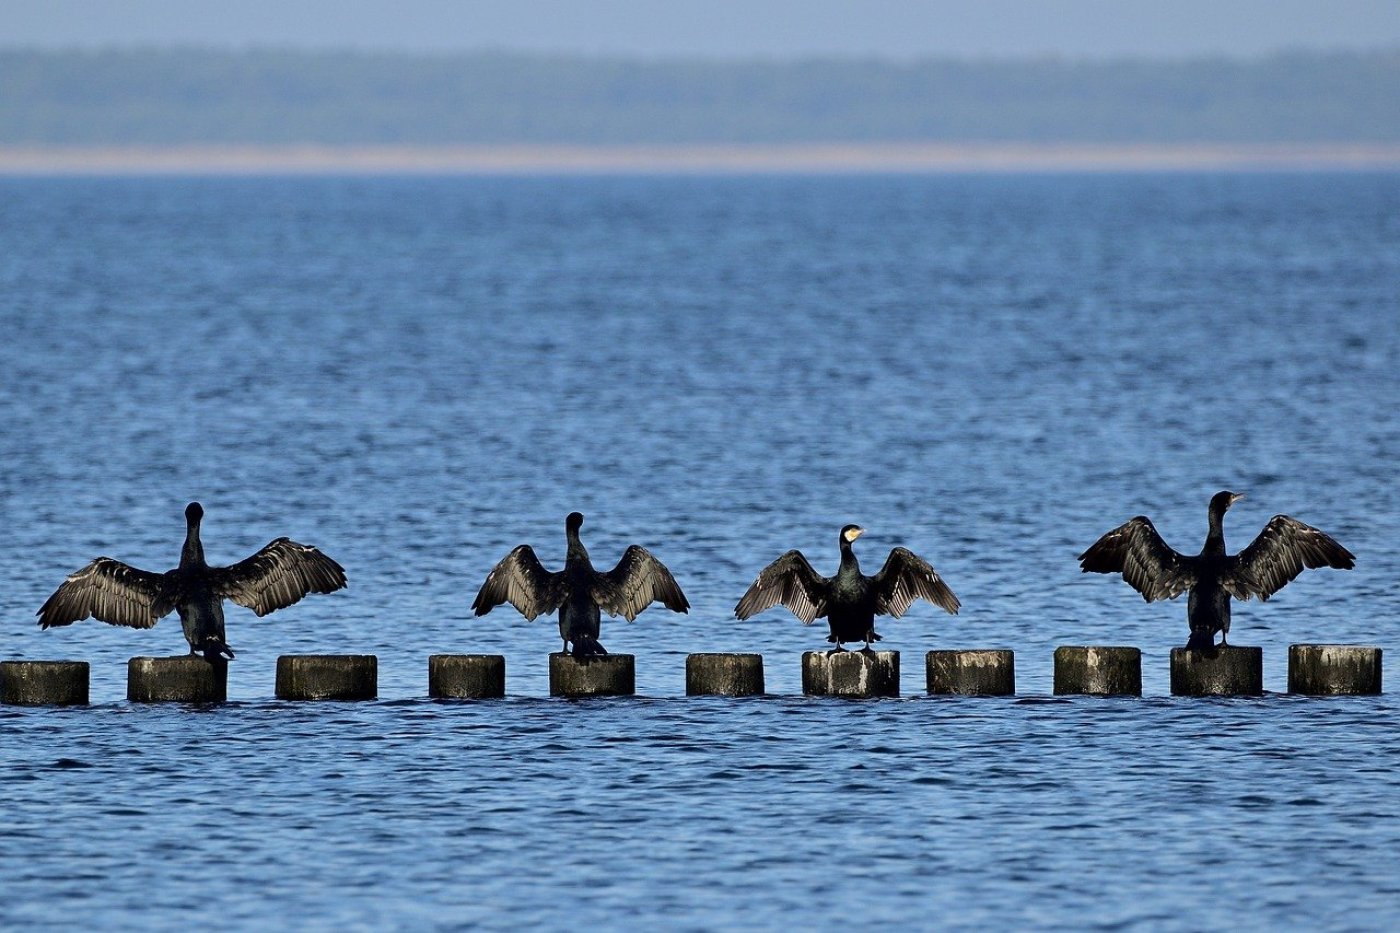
699,159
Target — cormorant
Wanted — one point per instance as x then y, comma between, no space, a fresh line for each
1283,549
578,591
849,601
275,577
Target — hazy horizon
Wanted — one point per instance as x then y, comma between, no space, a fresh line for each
429,54
305,97
781,29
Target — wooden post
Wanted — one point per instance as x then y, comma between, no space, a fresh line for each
327,677
184,678
467,676
859,674
1232,671
1096,670
602,675
730,675
1334,670
988,672
44,683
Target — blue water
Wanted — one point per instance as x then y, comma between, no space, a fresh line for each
417,375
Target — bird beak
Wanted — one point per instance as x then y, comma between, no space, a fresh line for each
857,533
1236,497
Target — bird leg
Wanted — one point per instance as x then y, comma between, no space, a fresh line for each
565,649
839,647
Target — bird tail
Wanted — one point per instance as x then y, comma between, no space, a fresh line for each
1202,640
586,646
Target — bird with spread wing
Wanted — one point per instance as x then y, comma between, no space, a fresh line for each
578,592
275,577
1283,550
849,601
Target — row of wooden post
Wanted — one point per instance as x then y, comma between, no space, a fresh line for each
1094,670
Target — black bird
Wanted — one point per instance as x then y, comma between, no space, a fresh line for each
1283,549
275,577
578,591
849,601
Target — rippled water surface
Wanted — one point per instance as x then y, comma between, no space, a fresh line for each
417,375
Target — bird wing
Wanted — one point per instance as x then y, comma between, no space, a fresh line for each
113,592
277,576
906,577
1137,551
1281,551
789,580
638,580
521,580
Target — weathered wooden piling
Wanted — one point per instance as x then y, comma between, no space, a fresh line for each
44,683
1334,670
1098,670
466,676
858,674
601,675
184,678
986,672
728,675
327,677
1232,671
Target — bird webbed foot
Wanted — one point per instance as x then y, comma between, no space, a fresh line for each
213,652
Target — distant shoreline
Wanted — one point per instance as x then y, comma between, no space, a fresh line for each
835,158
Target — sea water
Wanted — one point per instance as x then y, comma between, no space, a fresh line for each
418,374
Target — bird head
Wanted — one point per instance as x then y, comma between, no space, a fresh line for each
574,522
1221,501
194,512
850,532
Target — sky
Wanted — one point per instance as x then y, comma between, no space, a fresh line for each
722,28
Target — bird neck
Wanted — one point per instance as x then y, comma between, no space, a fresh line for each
576,549
192,554
1215,537
848,557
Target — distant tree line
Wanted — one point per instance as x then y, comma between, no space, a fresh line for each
184,96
